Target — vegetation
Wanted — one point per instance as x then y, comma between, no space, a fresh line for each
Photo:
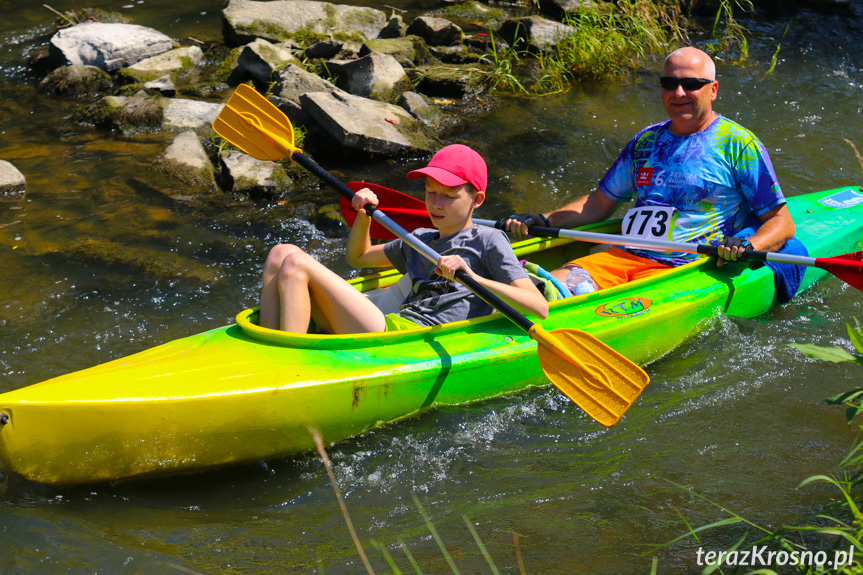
831,541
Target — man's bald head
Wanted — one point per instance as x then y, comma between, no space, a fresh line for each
693,58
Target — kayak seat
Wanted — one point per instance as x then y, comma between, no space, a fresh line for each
390,299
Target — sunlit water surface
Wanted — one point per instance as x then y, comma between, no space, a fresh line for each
732,415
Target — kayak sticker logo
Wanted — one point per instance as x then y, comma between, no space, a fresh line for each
844,199
626,307
645,176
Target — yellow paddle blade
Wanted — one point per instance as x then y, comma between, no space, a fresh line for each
596,378
253,124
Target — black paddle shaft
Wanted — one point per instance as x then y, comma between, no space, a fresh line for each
379,216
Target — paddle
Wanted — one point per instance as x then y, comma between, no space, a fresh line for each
598,379
848,267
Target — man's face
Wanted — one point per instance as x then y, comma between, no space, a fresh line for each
690,110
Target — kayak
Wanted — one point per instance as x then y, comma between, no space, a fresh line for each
242,393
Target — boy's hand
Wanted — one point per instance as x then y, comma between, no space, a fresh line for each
447,266
363,197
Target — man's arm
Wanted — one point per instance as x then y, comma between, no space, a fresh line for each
777,227
593,207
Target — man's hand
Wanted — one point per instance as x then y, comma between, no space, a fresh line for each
731,249
519,224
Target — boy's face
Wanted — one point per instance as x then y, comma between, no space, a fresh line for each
451,207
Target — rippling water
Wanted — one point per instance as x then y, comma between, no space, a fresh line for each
732,414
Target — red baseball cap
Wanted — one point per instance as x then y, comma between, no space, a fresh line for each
453,166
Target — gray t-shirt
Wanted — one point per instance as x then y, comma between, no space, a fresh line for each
435,299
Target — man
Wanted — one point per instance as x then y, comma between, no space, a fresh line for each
697,177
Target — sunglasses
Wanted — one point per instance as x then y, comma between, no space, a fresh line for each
689,84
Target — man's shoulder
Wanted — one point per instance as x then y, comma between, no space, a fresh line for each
726,128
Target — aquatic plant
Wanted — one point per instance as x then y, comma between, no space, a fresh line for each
838,525
730,42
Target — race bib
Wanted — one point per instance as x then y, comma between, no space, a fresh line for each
650,222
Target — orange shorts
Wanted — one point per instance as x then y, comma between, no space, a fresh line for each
615,266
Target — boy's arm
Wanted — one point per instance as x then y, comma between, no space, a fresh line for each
360,251
520,294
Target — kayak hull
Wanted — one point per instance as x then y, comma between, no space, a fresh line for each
241,393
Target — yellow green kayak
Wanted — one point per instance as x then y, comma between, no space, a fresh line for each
242,393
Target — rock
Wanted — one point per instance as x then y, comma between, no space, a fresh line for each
326,50
107,46
243,174
76,81
13,185
278,20
186,162
181,114
179,65
261,60
395,28
163,86
535,32
293,82
446,82
436,31
417,106
367,125
560,9
410,51
373,76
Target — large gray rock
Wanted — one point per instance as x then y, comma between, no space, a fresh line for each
436,31
261,60
187,163
131,114
244,175
373,76
181,114
76,81
180,64
535,32
107,46
293,82
278,20
368,125
12,182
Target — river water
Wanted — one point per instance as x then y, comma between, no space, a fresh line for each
732,415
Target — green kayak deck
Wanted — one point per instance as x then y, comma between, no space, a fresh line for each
242,393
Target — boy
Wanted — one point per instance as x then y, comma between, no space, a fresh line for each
297,287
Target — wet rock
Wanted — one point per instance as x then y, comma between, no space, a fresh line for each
367,125
436,31
76,81
163,86
559,9
534,32
293,82
107,46
278,20
395,28
186,162
260,60
410,51
244,175
447,82
13,185
420,109
374,76
458,54
181,114
181,65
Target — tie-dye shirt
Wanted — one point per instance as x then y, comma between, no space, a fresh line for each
717,179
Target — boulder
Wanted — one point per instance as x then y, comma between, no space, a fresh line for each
447,81
535,32
368,125
436,31
373,76
326,50
186,162
417,106
560,9
293,82
107,46
244,175
13,185
182,114
410,51
278,20
260,60
76,81
178,65
395,28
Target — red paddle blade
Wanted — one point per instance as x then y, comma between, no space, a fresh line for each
848,268
407,211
